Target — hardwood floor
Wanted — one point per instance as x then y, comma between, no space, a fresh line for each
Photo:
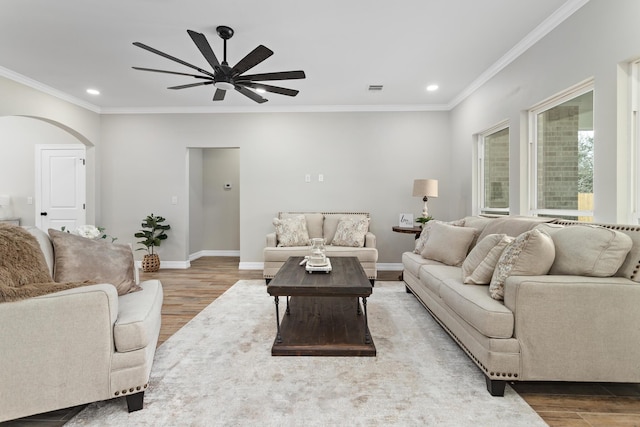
187,292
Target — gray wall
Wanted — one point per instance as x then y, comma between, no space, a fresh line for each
369,161
29,117
196,195
596,42
221,207
18,138
214,212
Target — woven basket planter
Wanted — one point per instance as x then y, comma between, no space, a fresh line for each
151,263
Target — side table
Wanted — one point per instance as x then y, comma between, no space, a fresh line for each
413,230
406,230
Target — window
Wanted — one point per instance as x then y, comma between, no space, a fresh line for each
634,132
562,156
493,168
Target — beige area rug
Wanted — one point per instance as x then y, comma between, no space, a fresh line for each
218,371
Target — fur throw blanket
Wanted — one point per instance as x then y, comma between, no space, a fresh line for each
23,269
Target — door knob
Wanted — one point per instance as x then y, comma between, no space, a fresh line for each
43,213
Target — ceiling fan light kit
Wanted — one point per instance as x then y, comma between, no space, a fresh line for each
224,77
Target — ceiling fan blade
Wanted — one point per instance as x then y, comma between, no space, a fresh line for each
205,48
252,59
219,95
192,85
273,89
173,58
250,94
282,75
171,72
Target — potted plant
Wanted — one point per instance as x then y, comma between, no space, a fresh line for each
152,235
423,220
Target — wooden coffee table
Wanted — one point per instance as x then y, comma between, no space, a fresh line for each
323,315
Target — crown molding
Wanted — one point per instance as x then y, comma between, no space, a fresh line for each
12,75
276,109
548,25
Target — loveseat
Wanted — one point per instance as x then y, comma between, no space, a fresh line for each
556,301
294,229
78,345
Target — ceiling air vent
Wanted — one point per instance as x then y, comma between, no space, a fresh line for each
375,88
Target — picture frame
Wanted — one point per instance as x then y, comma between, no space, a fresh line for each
405,220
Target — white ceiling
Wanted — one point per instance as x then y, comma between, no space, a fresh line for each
67,46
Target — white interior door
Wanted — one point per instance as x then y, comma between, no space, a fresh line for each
60,186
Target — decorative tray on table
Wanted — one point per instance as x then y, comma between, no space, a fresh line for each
324,268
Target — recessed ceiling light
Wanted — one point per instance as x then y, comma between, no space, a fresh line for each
431,88
260,90
93,91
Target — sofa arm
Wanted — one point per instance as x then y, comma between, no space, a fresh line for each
60,341
370,240
574,328
271,240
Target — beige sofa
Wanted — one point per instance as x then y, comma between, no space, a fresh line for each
549,327
76,346
321,225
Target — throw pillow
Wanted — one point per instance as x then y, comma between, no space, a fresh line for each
587,250
80,259
479,265
331,221
426,228
448,244
530,254
23,270
351,232
292,231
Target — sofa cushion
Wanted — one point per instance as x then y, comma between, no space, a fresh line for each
434,275
426,228
138,317
530,254
512,225
45,246
473,303
479,265
412,262
80,259
448,244
314,220
586,250
292,231
351,232
479,223
330,224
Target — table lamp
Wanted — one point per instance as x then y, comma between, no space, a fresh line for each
425,188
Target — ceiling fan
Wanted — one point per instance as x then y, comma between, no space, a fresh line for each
224,77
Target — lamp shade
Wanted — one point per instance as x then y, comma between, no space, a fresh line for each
425,188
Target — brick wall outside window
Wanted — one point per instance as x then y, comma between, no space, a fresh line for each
558,158
496,169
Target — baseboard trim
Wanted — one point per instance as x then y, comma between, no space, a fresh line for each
182,265
389,266
251,266
200,254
